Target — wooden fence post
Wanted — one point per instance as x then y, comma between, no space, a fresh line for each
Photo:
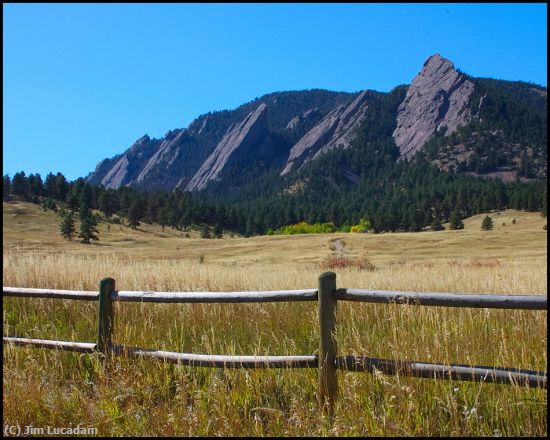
328,383
104,340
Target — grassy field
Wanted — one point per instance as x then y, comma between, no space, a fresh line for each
144,397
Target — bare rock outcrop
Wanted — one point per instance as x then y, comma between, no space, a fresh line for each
438,97
164,156
118,174
335,130
238,141
115,177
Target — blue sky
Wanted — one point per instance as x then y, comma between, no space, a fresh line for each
82,82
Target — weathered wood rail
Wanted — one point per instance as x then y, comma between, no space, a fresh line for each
327,361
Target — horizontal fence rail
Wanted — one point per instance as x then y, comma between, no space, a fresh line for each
82,347
189,359
216,297
348,363
440,371
50,293
219,361
524,302
327,361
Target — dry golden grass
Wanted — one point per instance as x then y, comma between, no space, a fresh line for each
144,397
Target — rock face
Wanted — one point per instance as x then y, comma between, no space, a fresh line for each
335,130
115,177
167,152
119,171
438,96
261,131
240,140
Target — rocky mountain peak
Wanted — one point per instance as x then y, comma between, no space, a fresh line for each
438,97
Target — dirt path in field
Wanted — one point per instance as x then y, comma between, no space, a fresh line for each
338,246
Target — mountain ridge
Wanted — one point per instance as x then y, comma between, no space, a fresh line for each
289,130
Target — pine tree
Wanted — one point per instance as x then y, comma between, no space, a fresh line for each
61,186
36,186
72,200
455,222
164,217
205,231
151,214
107,203
436,225
67,225
487,224
6,186
531,203
88,223
49,203
84,192
20,185
218,230
414,219
135,214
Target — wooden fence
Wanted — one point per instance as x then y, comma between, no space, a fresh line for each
327,361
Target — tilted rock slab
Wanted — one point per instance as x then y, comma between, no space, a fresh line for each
336,130
167,152
239,138
438,96
117,175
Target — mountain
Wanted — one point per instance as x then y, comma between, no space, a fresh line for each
262,130
459,123
438,97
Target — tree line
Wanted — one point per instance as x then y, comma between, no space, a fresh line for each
406,196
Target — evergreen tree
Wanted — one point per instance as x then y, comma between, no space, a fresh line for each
56,186
72,200
414,220
532,203
428,217
487,224
50,187
67,225
186,219
88,223
36,186
49,203
249,227
107,203
6,183
164,217
20,185
84,193
218,230
205,231
501,196
151,214
436,225
455,222
135,214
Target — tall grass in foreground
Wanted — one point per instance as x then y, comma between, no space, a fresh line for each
145,397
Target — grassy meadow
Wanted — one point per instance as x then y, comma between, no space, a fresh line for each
145,397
